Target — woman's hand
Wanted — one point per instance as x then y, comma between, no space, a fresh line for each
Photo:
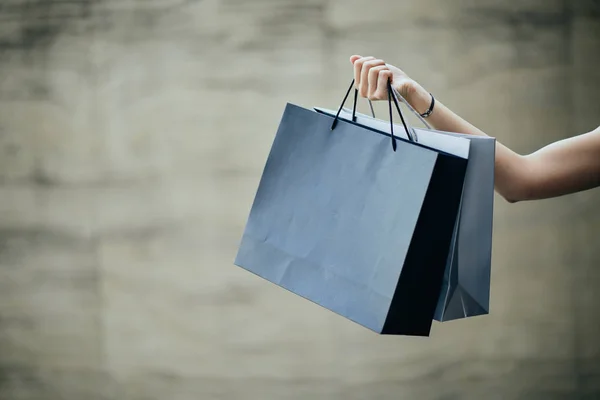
568,166
371,76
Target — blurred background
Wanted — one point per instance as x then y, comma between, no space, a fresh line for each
133,134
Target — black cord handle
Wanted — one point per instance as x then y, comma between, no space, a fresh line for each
335,120
353,107
390,97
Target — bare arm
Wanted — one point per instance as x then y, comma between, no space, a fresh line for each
567,166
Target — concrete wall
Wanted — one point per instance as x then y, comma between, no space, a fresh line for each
132,138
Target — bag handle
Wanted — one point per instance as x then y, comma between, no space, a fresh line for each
391,95
403,100
398,96
354,105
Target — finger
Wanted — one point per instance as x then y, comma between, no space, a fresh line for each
358,64
381,93
373,80
364,75
354,58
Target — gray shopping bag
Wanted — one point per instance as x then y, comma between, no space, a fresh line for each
466,288
355,220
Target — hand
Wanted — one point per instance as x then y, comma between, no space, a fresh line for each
371,76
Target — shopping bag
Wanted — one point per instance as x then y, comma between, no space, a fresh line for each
466,287
356,220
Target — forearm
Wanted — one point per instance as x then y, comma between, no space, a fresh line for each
442,118
568,166
509,166
564,167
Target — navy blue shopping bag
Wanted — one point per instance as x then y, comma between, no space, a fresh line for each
467,280
355,220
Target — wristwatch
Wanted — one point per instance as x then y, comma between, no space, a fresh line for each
430,109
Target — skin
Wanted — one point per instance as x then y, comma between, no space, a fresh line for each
560,168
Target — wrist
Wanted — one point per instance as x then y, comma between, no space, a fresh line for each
419,99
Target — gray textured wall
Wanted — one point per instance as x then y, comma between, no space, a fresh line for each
132,138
